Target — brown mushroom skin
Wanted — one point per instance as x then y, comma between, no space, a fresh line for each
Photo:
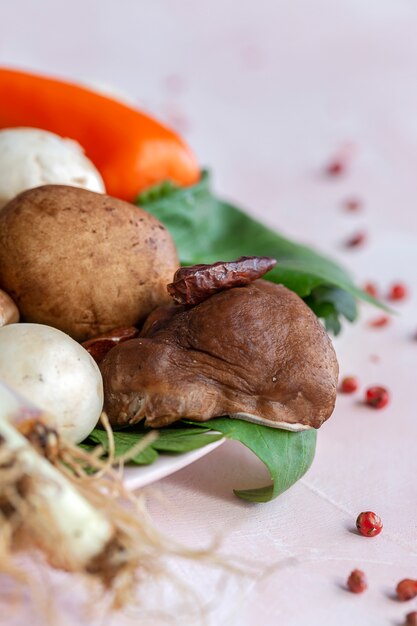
9,313
83,262
256,352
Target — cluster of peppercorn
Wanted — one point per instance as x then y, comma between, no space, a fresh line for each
368,523
376,396
405,590
396,292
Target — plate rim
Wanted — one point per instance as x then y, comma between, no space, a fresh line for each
136,477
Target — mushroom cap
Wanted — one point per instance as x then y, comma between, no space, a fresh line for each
255,352
30,157
83,262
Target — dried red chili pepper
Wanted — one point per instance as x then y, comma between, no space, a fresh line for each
377,397
411,619
349,384
196,283
369,524
406,589
98,347
398,291
357,583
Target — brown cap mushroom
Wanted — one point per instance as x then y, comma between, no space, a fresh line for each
81,261
255,352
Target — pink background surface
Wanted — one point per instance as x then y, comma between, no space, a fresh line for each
266,92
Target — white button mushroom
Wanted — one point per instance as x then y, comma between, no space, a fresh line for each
54,372
30,157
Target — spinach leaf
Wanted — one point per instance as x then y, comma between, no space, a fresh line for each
329,303
124,441
206,229
286,455
170,440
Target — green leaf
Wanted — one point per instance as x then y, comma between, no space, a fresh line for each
335,298
124,441
183,439
170,440
286,455
206,229
330,303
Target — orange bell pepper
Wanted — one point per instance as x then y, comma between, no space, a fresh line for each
131,150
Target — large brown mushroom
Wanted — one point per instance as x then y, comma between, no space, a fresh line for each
81,261
256,352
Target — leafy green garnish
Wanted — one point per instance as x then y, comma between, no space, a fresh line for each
330,303
206,229
170,440
286,455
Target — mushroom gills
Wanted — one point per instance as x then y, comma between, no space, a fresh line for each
257,419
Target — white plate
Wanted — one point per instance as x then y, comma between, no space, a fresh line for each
166,464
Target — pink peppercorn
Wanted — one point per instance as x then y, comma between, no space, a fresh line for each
336,167
371,289
380,322
356,240
377,397
407,589
411,619
369,524
352,204
398,291
349,384
357,583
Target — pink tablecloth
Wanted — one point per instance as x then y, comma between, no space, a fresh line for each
266,92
